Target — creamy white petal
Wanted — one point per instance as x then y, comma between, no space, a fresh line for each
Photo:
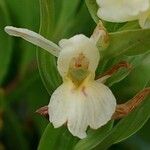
144,19
72,48
58,106
92,105
101,104
67,105
77,115
34,38
121,10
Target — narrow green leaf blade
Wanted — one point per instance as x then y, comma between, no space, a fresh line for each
93,8
130,43
133,61
94,137
21,16
47,62
52,137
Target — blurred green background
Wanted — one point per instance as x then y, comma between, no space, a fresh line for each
21,87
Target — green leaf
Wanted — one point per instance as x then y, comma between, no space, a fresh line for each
5,43
67,12
21,16
47,62
127,126
94,137
133,61
134,82
93,8
132,25
113,27
66,26
77,26
130,43
52,137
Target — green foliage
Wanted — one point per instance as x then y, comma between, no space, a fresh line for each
94,137
132,42
47,62
55,136
92,7
23,14
134,61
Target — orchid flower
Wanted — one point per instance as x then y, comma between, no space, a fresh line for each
80,101
125,10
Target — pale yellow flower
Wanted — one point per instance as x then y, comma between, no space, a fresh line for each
80,101
125,10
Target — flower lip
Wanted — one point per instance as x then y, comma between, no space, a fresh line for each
92,105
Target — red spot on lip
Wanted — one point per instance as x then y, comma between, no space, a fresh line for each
84,92
78,65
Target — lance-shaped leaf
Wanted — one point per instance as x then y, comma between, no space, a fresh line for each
51,137
47,62
129,43
64,19
94,137
133,61
21,15
92,7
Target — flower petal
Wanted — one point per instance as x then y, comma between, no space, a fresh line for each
93,105
144,20
68,106
101,104
77,115
34,38
72,48
58,106
122,10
